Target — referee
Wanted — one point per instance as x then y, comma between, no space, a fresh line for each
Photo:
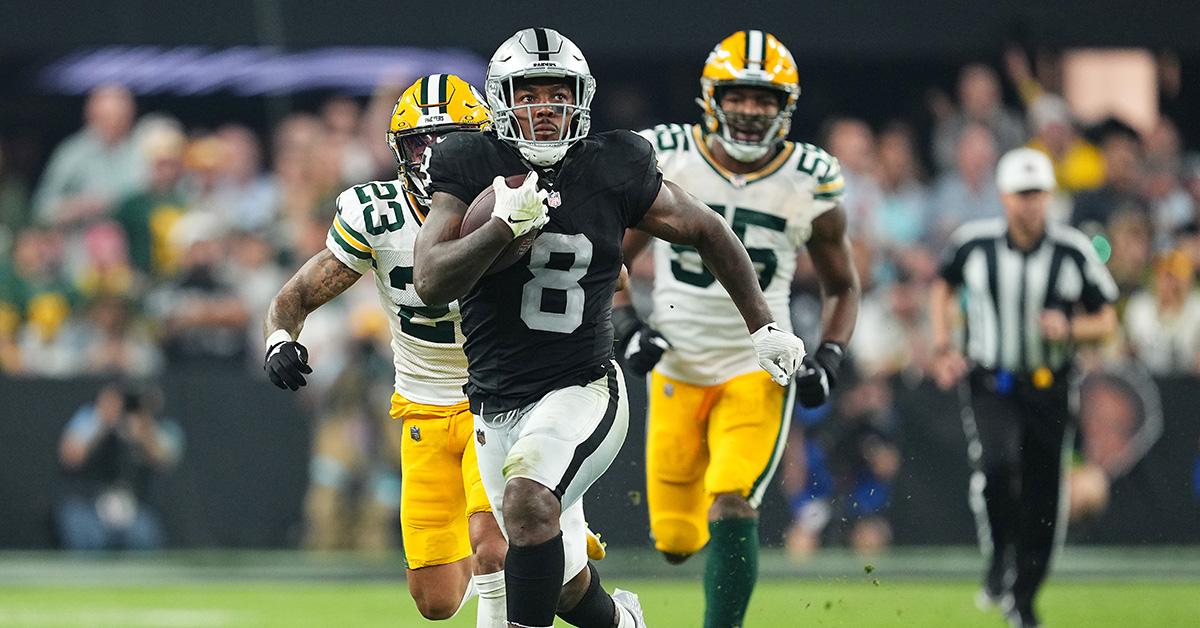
1030,292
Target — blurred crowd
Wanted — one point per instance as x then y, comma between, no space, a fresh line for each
146,246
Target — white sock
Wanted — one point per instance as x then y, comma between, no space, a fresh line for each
467,595
493,608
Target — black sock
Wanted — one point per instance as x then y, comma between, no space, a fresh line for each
595,609
533,578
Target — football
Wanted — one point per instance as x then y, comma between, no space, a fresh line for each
480,212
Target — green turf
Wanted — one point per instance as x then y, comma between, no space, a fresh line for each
668,603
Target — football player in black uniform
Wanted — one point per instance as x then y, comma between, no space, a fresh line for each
550,405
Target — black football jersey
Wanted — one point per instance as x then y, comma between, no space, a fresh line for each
544,323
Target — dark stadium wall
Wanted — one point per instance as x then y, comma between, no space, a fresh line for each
240,483
634,29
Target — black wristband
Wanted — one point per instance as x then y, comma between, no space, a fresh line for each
829,355
625,321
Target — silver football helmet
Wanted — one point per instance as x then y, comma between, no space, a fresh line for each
539,53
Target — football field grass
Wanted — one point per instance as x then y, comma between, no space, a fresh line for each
269,590
668,604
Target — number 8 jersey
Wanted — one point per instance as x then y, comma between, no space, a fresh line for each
545,322
771,212
375,231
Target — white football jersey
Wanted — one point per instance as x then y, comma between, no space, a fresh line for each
771,212
375,231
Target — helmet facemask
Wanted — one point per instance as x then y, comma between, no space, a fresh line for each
411,152
734,129
574,119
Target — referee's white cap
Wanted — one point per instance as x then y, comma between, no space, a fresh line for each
1023,170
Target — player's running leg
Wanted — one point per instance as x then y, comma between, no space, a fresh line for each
747,430
435,505
487,541
676,457
531,476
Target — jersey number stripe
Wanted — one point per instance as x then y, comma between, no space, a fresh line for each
765,260
552,300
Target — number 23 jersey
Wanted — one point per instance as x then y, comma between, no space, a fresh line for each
771,212
545,322
375,231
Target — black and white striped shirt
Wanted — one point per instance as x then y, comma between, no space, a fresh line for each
1004,291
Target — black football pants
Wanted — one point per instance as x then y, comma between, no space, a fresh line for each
1018,445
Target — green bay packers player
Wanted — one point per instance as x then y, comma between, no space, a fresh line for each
717,423
448,529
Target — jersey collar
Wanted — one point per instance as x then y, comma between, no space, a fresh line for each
735,179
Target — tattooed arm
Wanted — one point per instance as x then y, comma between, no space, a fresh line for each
320,279
679,218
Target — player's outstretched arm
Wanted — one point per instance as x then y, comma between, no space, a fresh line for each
320,279
445,266
830,251
677,217
829,248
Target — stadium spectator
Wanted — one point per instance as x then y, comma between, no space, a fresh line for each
343,120
979,104
853,143
110,453
1078,164
1171,206
199,313
969,190
148,215
243,192
1163,324
90,170
115,345
1123,183
14,201
904,210
353,497
1131,242
38,335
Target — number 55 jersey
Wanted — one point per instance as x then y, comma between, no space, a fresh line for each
771,212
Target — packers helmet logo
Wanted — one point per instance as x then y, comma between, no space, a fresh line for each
414,432
439,99
480,438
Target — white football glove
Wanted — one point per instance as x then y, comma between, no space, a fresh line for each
779,353
522,209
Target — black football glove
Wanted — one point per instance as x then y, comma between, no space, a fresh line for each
640,344
818,374
287,364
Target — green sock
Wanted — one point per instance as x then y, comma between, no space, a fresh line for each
730,571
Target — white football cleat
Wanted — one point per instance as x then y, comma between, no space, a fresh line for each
628,600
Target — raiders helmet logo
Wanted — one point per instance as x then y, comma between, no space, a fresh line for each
480,438
414,432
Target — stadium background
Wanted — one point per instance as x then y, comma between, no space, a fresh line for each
274,68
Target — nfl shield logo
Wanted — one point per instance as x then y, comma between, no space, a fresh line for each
480,438
554,200
415,433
